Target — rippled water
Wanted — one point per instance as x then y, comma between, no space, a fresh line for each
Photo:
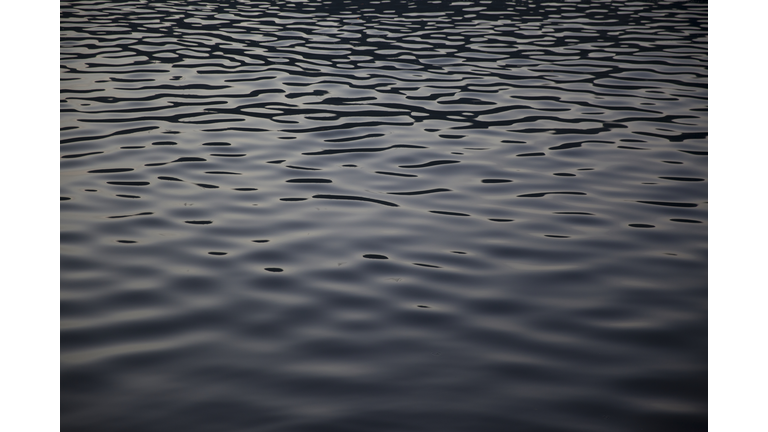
383,216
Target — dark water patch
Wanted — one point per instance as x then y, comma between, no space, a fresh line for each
223,173
543,194
531,154
568,146
65,198
129,183
375,256
496,181
179,160
500,220
309,180
360,150
217,253
575,213
217,144
127,196
421,192
696,152
168,178
126,241
354,138
236,129
276,161
132,147
228,154
686,220
426,265
564,174
555,236
677,138
683,179
245,189
630,148
260,241
670,204
199,222
131,215
639,225
110,170
293,199
164,143
302,168
577,144
354,198
274,269
395,174
100,137
206,186
448,213
79,155
430,164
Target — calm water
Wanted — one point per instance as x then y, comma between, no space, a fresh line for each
383,216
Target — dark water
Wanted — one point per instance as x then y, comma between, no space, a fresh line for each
383,216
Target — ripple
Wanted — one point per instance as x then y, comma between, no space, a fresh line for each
685,220
360,150
354,198
110,170
309,180
375,256
131,215
421,192
683,179
129,183
430,164
543,194
670,204
396,174
580,308
448,213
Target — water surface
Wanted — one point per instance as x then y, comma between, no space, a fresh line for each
383,216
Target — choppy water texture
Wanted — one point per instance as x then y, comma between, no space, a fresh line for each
383,216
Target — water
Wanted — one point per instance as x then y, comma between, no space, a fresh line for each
383,216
